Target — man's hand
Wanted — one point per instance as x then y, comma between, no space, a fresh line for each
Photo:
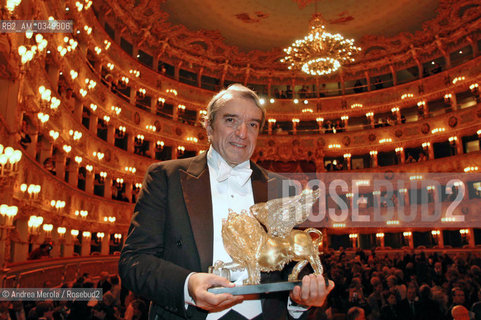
198,285
313,292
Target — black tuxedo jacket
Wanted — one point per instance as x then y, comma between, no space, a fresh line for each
171,236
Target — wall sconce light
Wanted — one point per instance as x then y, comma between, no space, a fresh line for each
110,219
135,73
48,229
61,231
457,79
81,213
33,223
474,89
9,159
141,93
180,149
407,96
116,109
8,213
117,237
150,127
160,102
98,155
74,232
139,139
447,97
119,182
120,132
130,169
33,190
159,145
57,204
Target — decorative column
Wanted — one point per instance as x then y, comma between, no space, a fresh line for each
373,155
85,245
459,146
110,134
450,98
60,159
393,73
128,190
32,146
423,107
174,152
73,173
409,237
395,111
347,160
175,113
404,198
89,182
130,142
20,243
370,117
177,70
376,195
368,80
354,239
9,91
428,149
78,110
108,187
105,244
380,238
401,155
295,121
199,77
345,120
68,247
152,148
93,123
470,236
46,150
133,95
270,122
320,122
56,246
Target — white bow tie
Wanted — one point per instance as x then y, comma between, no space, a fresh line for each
239,174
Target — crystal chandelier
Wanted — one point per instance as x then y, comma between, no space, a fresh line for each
320,52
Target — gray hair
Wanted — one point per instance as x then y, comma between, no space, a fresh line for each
234,90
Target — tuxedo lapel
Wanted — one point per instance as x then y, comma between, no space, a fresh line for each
264,187
198,201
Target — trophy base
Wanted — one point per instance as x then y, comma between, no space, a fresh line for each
257,288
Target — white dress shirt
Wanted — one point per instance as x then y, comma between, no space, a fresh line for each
231,191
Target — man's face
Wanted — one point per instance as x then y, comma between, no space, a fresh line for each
234,131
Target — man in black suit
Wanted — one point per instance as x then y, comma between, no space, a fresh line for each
175,230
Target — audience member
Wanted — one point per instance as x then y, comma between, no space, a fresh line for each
41,252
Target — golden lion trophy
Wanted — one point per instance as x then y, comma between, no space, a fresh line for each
253,249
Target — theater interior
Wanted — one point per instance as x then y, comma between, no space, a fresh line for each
84,113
